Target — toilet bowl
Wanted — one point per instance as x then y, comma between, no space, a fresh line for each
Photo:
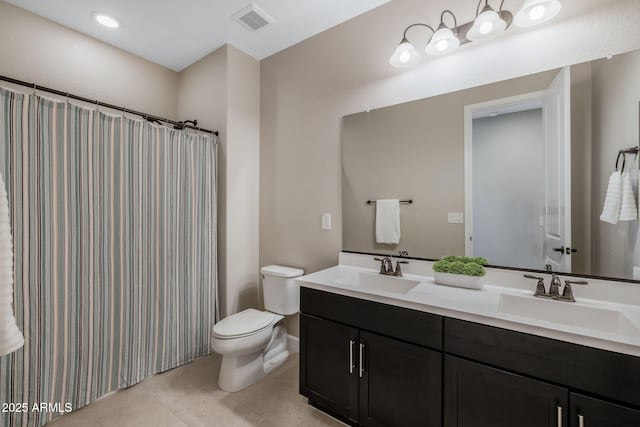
253,342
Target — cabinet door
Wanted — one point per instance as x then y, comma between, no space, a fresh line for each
400,383
589,412
328,368
479,396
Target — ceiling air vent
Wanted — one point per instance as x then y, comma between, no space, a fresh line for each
252,17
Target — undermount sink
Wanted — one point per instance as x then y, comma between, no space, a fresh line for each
567,313
379,282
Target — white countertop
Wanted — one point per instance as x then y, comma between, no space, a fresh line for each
484,306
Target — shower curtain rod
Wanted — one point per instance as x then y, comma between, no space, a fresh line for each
148,117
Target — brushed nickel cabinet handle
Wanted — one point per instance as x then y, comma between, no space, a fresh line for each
580,421
351,343
559,416
361,367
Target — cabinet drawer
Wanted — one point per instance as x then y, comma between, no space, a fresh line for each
599,372
413,326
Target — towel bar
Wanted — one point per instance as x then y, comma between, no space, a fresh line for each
402,202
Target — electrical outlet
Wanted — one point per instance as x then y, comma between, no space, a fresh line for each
455,218
636,273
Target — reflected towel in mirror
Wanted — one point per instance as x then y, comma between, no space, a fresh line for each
613,199
628,208
388,221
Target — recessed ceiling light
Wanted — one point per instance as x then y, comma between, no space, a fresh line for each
106,20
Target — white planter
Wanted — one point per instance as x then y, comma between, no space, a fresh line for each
458,280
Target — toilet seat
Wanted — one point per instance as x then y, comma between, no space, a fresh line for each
244,323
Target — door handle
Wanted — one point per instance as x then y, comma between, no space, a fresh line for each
361,360
351,365
580,421
565,251
559,416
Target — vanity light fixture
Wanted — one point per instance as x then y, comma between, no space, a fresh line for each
106,20
488,22
535,12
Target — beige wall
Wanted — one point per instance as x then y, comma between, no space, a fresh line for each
223,90
615,124
243,180
37,50
414,150
581,155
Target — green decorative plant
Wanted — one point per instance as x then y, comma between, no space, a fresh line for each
465,259
461,265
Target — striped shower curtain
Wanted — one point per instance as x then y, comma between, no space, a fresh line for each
114,225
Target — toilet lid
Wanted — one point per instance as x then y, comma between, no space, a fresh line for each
243,323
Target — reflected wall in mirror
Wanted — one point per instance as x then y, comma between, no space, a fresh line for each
526,161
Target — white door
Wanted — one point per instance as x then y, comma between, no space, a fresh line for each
556,116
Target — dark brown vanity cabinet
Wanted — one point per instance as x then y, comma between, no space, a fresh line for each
374,364
476,395
364,377
327,370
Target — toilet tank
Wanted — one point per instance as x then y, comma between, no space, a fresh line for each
279,289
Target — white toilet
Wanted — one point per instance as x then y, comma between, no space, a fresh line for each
253,343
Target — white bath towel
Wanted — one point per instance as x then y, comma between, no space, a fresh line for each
613,199
11,338
628,208
388,221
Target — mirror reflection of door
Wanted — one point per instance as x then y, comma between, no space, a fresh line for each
518,179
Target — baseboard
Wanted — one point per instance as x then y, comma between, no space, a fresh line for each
293,344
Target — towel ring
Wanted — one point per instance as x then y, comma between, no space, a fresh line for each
624,161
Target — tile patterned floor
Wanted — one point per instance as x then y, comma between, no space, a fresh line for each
189,396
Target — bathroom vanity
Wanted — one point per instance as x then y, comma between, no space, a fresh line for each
427,355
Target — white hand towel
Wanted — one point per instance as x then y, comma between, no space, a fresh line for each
388,221
613,199
11,338
628,208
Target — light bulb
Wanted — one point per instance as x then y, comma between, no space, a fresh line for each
486,28
404,55
535,12
487,24
443,41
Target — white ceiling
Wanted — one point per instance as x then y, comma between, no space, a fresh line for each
178,33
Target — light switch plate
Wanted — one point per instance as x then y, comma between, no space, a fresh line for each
326,221
455,217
